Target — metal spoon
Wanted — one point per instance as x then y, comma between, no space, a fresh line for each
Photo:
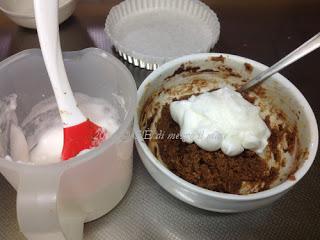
298,53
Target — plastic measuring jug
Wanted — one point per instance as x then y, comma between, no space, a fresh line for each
54,201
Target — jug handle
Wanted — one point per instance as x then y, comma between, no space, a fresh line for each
37,208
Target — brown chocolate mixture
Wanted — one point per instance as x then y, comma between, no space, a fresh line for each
196,70
248,67
218,59
212,170
183,69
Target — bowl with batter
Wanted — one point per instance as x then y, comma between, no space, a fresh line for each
226,173
60,196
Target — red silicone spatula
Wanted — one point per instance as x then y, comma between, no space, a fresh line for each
79,132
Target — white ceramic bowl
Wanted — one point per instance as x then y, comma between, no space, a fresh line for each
21,11
216,201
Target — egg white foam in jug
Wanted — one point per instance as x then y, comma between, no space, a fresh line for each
39,140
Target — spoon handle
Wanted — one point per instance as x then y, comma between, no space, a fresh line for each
298,53
46,13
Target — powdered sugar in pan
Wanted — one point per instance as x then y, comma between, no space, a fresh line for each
148,33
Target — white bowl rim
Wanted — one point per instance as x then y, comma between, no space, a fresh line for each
18,14
227,196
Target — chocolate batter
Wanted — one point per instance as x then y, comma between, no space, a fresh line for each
211,170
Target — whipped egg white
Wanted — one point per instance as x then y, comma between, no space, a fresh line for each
221,119
43,128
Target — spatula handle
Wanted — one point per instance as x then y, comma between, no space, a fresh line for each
46,13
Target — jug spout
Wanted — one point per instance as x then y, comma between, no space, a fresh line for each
38,211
